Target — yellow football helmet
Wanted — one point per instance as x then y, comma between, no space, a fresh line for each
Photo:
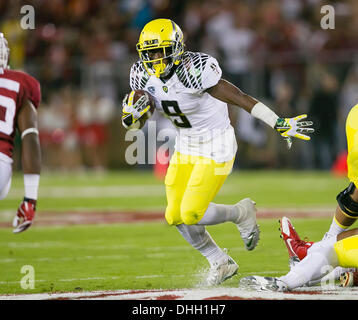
163,36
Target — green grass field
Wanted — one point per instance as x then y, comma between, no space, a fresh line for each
148,255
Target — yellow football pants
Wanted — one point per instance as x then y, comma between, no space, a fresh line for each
347,252
352,143
191,184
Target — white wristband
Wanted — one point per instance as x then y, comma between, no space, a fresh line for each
27,131
265,114
31,184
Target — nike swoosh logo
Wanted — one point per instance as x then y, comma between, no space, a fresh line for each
251,238
289,244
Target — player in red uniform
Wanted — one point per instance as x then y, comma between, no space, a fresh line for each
20,96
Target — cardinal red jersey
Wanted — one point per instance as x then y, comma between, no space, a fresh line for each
15,88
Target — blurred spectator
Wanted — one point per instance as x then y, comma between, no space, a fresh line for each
60,145
16,36
323,111
349,93
93,115
253,143
236,44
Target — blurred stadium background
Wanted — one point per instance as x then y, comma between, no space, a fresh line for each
82,50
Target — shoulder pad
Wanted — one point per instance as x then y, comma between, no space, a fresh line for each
138,76
190,70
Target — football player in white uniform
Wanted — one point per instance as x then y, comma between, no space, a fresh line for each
189,90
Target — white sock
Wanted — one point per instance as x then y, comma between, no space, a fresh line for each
335,229
201,240
219,213
320,260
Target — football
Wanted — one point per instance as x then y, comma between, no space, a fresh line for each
142,120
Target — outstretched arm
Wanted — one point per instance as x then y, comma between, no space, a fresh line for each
287,127
229,93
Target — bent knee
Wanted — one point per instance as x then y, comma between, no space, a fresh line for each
191,215
172,216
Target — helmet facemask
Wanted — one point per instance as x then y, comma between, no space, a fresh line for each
170,55
4,52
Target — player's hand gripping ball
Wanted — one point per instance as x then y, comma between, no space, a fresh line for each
138,107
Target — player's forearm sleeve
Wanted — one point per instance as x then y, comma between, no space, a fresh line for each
265,114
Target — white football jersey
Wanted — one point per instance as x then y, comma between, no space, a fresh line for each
202,122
